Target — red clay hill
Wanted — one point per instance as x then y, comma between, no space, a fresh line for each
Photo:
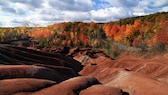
79,71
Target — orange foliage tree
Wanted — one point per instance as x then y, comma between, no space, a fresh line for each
113,31
129,30
107,28
161,37
83,38
120,35
137,23
41,33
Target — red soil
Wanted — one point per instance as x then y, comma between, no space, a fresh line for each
54,72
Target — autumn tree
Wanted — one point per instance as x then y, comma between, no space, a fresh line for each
161,36
107,28
119,37
83,38
113,31
137,24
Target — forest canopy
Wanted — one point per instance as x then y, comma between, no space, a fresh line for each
139,32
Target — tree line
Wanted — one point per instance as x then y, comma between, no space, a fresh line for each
142,32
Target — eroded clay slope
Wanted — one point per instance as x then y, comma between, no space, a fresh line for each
49,71
135,75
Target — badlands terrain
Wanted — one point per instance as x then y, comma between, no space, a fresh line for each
79,71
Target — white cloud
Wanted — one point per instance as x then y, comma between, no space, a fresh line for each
5,20
108,14
76,16
159,3
31,3
140,7
72,5
43,12
164,9
123,3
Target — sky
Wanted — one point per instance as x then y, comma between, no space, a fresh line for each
44,12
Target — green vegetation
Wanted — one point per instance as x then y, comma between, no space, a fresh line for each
11,34
144,33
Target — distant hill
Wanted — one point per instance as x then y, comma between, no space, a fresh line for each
150,31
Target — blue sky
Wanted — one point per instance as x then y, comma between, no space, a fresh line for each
43,12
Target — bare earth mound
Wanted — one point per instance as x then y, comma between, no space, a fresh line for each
25,71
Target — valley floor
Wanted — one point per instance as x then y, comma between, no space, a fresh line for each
80,71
